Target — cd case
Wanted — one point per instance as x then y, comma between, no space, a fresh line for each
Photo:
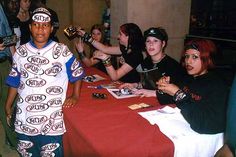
9,40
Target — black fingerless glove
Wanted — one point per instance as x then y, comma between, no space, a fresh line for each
87,38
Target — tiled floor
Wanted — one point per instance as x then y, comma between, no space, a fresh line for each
5,150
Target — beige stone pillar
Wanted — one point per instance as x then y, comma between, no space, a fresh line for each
173,15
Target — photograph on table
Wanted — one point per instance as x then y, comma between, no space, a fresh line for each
121,93
93,78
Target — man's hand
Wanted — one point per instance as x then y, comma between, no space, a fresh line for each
8,116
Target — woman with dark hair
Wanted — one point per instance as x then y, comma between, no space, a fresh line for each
24,21
11,8
131,45
202,96
97,33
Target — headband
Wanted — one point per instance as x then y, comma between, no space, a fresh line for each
41,15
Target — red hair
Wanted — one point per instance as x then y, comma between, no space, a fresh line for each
136,40
206,48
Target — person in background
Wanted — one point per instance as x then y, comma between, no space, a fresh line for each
202,95
55,20
11,8
5,62
24,21
106,21
155,65
5,30
131,45
97,32
40,73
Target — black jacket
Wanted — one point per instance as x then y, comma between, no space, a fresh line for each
205,105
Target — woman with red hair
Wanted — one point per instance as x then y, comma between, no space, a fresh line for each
202,96
129,50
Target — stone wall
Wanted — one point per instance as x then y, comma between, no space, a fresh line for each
76,12
173,15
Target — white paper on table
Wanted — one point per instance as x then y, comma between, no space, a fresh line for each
187,142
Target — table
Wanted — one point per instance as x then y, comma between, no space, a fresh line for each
108,128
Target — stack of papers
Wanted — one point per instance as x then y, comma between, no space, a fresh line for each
187,142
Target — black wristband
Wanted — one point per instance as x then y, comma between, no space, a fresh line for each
107,62
179,95
87,38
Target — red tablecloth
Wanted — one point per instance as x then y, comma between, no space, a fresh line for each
108,128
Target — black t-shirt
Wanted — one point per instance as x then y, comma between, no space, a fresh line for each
133,58
205,105
25,32
151,73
